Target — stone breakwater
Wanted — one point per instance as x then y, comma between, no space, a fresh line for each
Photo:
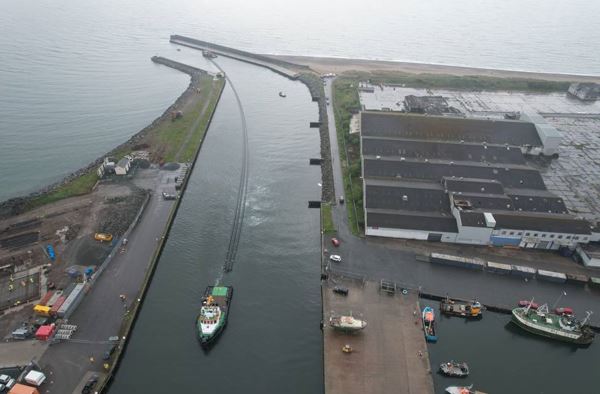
315,86
18,205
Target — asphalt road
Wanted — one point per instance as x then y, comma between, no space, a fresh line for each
100,314
377,258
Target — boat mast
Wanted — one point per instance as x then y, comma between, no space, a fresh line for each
529,305
558,299
587,317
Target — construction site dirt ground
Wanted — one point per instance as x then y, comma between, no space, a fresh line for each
69,226
389,355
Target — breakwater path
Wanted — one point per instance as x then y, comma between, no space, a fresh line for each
284,68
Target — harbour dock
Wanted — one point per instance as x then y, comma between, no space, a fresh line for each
389,355
275,65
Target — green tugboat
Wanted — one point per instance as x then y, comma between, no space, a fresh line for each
213,314
560,327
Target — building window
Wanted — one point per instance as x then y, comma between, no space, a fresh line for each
535,235
528,234
568,237
503,232
576,237
559,237
585,238
512,233
543,235
520,233
551,235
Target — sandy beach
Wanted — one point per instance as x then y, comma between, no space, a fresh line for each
340,65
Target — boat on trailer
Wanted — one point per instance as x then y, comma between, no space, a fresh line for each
429,324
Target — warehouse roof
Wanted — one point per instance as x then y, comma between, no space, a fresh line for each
400,125
456,151
473,185
409,196
472,219
509,175
426,221
541,222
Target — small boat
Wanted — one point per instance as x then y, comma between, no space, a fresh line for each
213,314
462,390
346,323
469,310
347,349
429,324
456,369
281,94
526,303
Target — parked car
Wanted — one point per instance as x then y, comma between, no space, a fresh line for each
341,199
102,237
4,379
10,384
169,196
335,242
335,257
109,352
340,290
91,383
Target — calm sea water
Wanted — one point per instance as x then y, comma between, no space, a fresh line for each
76,79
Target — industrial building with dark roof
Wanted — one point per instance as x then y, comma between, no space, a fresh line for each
459,180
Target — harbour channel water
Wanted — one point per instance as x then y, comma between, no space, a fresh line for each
504,359
273,341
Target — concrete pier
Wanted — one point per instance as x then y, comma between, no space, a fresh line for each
277,66
389,355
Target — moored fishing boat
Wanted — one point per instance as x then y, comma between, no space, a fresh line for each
213,314
455,369
429,324
469,310
462,390
563,327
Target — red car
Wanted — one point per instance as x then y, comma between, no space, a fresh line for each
335,242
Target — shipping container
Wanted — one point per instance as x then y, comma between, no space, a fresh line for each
577,278
57,305
46,298
525,272
54,297
70,302
42,310
552,276
499,268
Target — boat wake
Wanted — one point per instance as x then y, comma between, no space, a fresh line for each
238,219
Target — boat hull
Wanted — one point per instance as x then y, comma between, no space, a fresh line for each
581,340
206,341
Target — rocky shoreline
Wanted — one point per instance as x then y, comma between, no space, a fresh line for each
18,205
